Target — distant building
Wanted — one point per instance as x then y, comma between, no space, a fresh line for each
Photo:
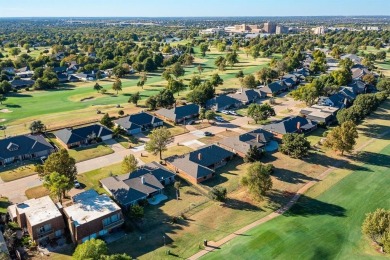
270,27
280,29
319,30
371,28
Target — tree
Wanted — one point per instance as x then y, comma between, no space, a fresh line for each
308,93
369,79
342,138
62,163
195,82
14,51
151,102
220,62
38,168
249,81
136,211
384,85
258,179
295,145
203,47
2,99
201,94
90,249
260,112
200,69
176,86
165,98
57,184
37,127
159,139
346,63
134,98
129,164
216,80
377,227
106,121
218,193
117,85
210,115
97,87
381,55
240,74
177,70
232,58
254,154
119,71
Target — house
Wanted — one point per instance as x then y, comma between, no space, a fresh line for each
62,78
222,102
145,182
3,248
23,147
91,216
290,125
59,70
302,72
199,165
137,123
241,144
359,72
348,93
358,86
335,100
21,83
353,57
179,114
274,88
72,78
71,138
247,96
41,218
58,56
73,67
292,79
320,114
85,76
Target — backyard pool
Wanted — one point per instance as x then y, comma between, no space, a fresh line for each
272,146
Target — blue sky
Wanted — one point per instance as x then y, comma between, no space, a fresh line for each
158,8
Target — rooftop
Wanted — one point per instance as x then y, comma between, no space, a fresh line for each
88,206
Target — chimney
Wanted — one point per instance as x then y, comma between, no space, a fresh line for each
298,125
258,138
200,156
143,180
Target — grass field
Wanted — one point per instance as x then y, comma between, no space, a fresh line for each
37,192
325,226
14,172
77,103
4,203
89,152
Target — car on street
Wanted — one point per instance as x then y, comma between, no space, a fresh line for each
77,184
207,134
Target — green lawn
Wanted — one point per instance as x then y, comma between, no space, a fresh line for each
90,152
17,171
325,226
36,192
4,203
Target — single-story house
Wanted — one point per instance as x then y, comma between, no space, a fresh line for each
58,56
179,114
60,70
353,57
358,86
291,125
348,93
92,215
23,147
292,79
62,78
247,96
136,123
72,78
199,165
145,182
320,114
336,100
274,88
22,83
76,137
25,74
222,102
85,76
240,144
358,73
41,218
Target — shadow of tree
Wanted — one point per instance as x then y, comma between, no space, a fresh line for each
377,159
291,176
240,205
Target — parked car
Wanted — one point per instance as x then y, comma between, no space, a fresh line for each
77,184
207,134
233,113
219,119
225,112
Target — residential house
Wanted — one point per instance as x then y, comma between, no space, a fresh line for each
348,93
302,72
145,182
72,78
274,88
199,165
241,144
73,67
91,216
41,218
85,76
22,83
293,79
58,56
359,72
358,86
60,70
137,123
336,100
179,114
247,96
62,78
23,147
291,125
320,114
353,57
222,102
76,137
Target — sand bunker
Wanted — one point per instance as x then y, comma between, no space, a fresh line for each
5,110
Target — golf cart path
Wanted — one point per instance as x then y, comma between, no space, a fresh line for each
212,245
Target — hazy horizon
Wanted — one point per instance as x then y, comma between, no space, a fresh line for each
186,8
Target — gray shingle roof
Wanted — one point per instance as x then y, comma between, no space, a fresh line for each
246,95
222,101
23,144
178,113
289,125
70,136
274,87
137,120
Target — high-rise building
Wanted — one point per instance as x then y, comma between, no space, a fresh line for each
319,30
280,29
270,27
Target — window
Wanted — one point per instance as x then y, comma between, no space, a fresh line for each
103,232
106,221
58,233
114,218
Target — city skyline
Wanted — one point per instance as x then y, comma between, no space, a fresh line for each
201,8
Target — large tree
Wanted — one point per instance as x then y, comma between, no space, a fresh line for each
129,164
107,121
377,227
218,193
195,82
117,85
295,145
249,81
134,98
203,47
159,139
37,127
216,80
90,249
254,154
57,184
62,163
258,179
260,112
2,99
384,85
176,86
342,138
